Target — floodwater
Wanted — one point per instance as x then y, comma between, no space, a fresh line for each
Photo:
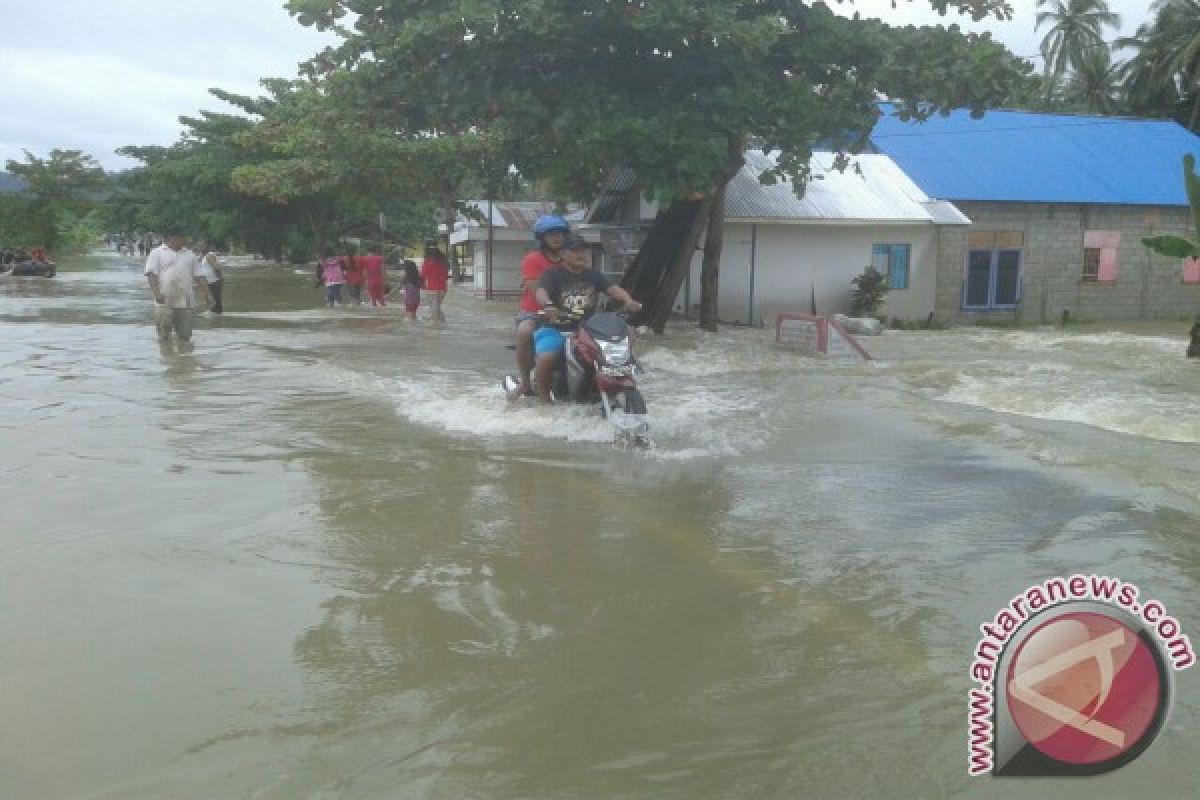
316,558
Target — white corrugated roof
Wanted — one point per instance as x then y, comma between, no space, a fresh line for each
519,214
872,189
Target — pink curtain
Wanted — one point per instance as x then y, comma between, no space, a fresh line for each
1191,270
1108,265
1109,244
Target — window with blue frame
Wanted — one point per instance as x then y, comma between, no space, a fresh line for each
891,261
992,276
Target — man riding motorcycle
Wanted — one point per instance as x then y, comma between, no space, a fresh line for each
570,291
551,230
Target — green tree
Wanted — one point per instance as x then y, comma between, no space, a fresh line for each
1095,85
226,180
340,165
1076,28
79,234
20,225
65,182
1163,76
669,88
870,290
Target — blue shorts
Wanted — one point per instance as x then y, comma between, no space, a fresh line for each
548,341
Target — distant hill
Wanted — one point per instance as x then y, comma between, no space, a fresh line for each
11,183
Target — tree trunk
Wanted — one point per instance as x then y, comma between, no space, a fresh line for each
714,241
664,259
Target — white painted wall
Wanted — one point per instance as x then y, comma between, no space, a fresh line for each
789,260
506,264
509,248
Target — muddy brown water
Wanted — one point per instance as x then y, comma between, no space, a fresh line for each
316,558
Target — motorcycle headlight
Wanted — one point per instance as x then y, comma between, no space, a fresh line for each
615,353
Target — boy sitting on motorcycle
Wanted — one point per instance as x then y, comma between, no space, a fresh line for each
571,291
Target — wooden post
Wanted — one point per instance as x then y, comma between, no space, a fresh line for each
488,273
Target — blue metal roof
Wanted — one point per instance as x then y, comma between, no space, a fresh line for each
1020,156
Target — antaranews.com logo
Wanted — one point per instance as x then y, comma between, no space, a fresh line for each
1073,677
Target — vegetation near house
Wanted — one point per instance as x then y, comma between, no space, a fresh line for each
867,296
1179,246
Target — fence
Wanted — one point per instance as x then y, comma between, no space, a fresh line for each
818,336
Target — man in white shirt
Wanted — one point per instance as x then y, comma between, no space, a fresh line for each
173,273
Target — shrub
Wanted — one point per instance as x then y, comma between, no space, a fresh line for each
868,293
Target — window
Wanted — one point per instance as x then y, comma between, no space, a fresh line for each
1091,263
993,270
1191,270
1100,250
891,261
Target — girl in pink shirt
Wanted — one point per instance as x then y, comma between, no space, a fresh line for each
333,277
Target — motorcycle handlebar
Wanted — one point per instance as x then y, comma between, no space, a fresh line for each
567,316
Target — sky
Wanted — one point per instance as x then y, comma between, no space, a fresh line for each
95,75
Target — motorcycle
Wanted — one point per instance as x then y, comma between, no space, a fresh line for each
598,368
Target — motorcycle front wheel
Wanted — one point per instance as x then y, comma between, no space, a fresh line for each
631,402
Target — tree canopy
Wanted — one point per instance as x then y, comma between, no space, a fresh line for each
1163,75
63,190
668,87
274,179
1075,28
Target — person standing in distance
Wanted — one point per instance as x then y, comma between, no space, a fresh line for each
210,270
435,273
372,264
551,232
173,273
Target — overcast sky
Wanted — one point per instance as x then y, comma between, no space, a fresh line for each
94,75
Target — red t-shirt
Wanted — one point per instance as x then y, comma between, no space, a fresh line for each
353,270
435,273
373,265
532,267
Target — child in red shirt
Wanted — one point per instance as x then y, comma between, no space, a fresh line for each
435,274
373,267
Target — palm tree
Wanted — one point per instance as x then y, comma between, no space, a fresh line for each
1164,72
1095,84
1076,27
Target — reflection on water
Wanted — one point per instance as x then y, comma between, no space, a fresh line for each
318,558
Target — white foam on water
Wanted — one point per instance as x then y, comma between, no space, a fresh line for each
1127,383
686,420
1106,402
1033,341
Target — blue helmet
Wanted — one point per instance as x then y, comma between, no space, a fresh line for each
548,223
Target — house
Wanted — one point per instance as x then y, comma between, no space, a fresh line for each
1059,205
494,256
782,251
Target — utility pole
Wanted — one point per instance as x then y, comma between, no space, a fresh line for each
488,269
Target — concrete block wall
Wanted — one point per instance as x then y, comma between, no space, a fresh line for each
1147,286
